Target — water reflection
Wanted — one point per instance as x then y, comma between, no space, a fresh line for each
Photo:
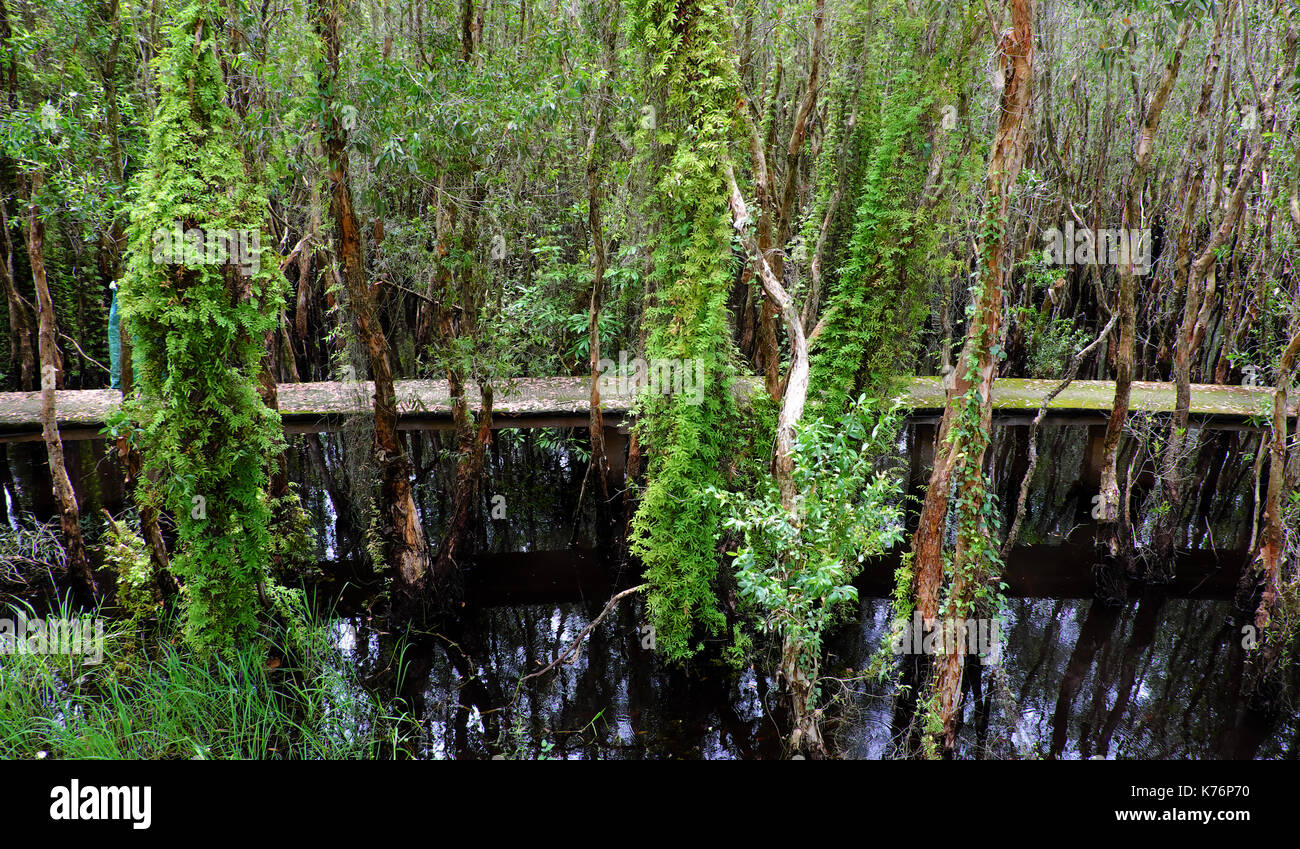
1159,675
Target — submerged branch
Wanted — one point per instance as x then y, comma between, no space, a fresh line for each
572,651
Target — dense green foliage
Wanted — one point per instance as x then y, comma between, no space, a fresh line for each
67,115
881,292
798,570
494,156
199,332
675,528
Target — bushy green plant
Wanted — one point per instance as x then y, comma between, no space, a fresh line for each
1050,341
798,569
127,554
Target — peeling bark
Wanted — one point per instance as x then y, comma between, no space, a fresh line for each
1200,301
69,514
407,550
1268,558
1113,537
977,363
774,213
798,665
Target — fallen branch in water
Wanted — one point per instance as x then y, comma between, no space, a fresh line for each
571,652
573,649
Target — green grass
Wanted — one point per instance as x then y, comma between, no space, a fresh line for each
152,698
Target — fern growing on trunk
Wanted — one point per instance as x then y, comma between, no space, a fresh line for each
198,328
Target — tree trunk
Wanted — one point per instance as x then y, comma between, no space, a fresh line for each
774,213
471,445
1112,535
1269,555
1199,304
69,514
963,448
798,664
408,553
22,322
595,226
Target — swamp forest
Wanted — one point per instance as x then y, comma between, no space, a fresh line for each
649,379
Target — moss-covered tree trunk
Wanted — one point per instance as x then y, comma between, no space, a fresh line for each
456,299
198,301
688,44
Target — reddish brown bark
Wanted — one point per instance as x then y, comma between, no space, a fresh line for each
407,551
977,363
1112,533
1268,559
1016,50
1200,302
132,462
69,513
467,30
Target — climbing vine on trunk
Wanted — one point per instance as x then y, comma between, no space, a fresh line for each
198,326
675,528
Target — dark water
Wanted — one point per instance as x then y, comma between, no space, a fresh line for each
1156,674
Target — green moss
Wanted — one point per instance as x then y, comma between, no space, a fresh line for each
880,296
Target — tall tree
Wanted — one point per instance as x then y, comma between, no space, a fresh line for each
199,301
1199,290
964,430
407,550
1113,537
687,43
1267,561
69,512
